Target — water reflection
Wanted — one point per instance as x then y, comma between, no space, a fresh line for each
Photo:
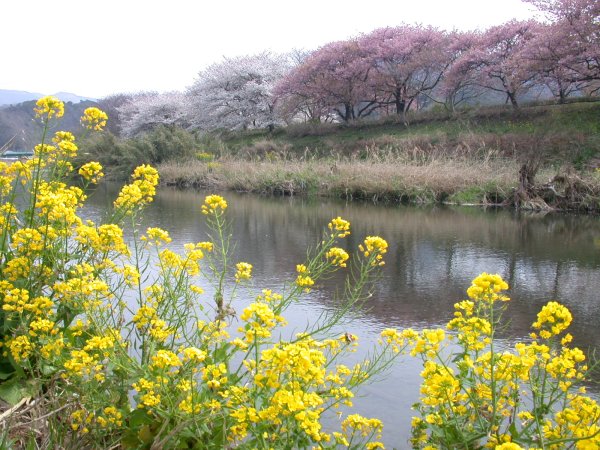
434,254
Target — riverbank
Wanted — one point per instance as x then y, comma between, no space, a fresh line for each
488,182
378,181
541,157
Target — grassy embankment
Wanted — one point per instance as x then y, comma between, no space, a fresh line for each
470,157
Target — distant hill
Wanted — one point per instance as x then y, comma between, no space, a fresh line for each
69,97
10,97
18,125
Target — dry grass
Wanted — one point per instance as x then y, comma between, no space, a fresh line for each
30,424
422,179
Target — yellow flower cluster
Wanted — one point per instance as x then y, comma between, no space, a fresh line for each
20,348
205,156
42,334
260,320
213,333
147,320
165,359
339,227
552,320
48,107
112,418
147,396
83,364
487,288
104,239
44,150
94,119
300,387
303,279
474,333
59,203
141,191
28,241
374,247
337,256
6,181
356,422
213,204
80,420
91,172
215,375
194,355
579,420
65,141
508,446
156,236
243,271
83,291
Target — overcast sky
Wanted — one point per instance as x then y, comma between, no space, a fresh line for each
100,48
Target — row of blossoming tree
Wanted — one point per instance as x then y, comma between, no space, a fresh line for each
112,342
389,70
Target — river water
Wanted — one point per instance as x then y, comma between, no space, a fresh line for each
434,253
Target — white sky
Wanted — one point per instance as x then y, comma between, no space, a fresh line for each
99,48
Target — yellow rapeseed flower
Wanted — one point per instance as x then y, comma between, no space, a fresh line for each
243,271
487,288
508,446
305,281
94,119
337,256
374,247
213,204
141,191
339,227
156,236
165,359
48,107
553,319
91,171
20,348
194,354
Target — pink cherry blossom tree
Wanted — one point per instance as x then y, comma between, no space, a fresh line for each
546,54
407,62
574,34
459,85
494,62
333,79
297,95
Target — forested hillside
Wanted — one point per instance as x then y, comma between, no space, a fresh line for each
18,127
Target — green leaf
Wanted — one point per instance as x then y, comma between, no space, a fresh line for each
6,371
48,369
15,390
514,433
139,417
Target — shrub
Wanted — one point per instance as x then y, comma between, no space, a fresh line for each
121,156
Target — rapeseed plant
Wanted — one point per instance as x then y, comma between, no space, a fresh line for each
115,336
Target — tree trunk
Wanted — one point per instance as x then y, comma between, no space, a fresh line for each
513,99
348,112
525,196
399,102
